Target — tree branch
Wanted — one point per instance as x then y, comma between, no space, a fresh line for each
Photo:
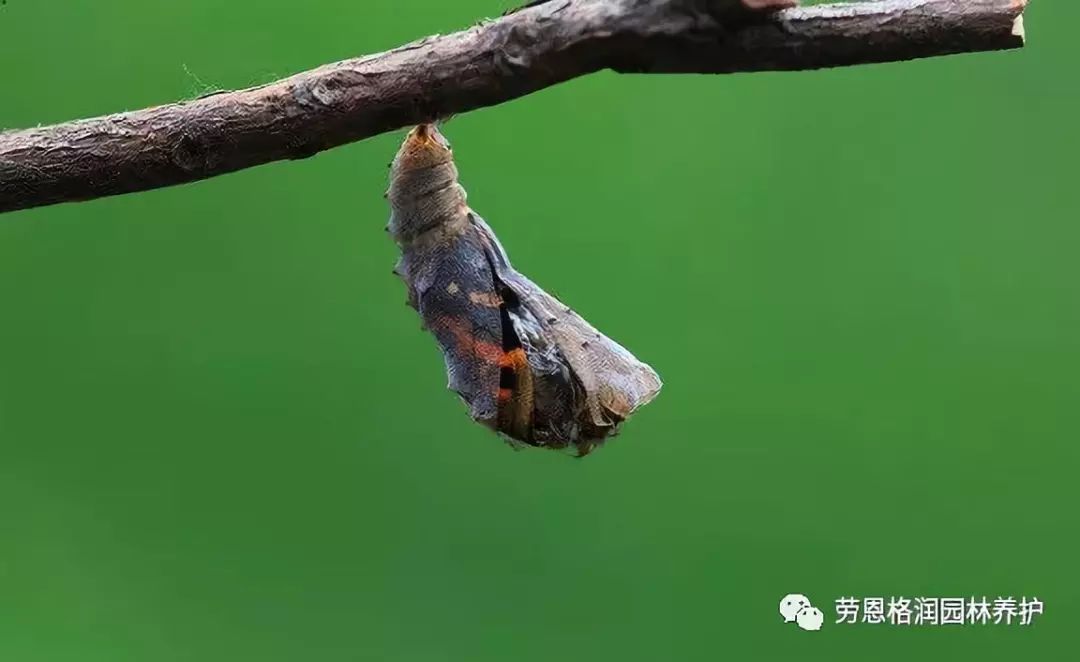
537,46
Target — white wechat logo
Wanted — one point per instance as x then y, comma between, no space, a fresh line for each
796,608
810,618
791,604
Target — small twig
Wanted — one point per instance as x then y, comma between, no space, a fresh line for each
500,60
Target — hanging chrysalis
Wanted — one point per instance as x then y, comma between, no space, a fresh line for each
524,363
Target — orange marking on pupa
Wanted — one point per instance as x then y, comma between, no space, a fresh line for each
486,351
515,359
486,299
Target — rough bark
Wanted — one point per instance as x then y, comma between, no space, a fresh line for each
529,49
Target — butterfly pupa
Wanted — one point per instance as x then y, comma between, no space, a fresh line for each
525,364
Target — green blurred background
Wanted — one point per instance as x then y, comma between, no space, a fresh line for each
224,437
